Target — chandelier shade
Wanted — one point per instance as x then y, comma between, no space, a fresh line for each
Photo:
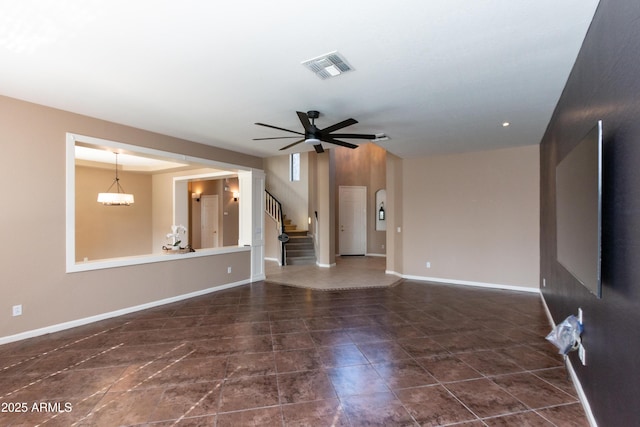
115,199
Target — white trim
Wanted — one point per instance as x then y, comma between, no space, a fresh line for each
377,255
148,259
471,283
583,398
79,322
325,265
258,277
546,309
572,373
70,202
101,142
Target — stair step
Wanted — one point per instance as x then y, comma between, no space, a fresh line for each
297,253
306,260
300,248
294,244
296,233
296,238
291,248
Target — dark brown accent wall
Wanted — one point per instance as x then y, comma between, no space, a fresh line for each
365,167
604,84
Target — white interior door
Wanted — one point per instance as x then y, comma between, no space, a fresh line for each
209,222
353,220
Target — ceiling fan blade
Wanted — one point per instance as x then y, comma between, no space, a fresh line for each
304,119
341,143
291,145
276,127
277,137
318,148
353,135
342,124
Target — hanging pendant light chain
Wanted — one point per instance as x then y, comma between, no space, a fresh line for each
116,181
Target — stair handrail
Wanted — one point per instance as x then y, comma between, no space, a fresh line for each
273,208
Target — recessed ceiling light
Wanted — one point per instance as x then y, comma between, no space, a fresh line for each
505,124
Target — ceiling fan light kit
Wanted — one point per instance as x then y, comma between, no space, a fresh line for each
314,136
380,137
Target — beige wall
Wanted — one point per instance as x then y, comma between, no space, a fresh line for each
227,207
163,205
205,188
294,195
313,195
324,204
473,216
230,212
366,167
394,214
272,246
33,263
111,231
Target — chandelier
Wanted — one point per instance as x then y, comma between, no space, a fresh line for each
119,198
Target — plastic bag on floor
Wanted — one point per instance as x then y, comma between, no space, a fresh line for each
566,335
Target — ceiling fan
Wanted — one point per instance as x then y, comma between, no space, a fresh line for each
313,135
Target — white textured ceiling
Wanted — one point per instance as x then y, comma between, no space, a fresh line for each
436,76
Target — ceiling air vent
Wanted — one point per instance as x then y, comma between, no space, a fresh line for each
328,65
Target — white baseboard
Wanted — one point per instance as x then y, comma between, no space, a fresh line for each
91,319
581,395
325,265
377,255
572,373
468,283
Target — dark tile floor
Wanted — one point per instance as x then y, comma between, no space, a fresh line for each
272,355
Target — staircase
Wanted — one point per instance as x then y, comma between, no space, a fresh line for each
299,249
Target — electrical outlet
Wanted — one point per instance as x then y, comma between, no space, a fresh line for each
228,270
17,310
428,265
544,282
582,354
